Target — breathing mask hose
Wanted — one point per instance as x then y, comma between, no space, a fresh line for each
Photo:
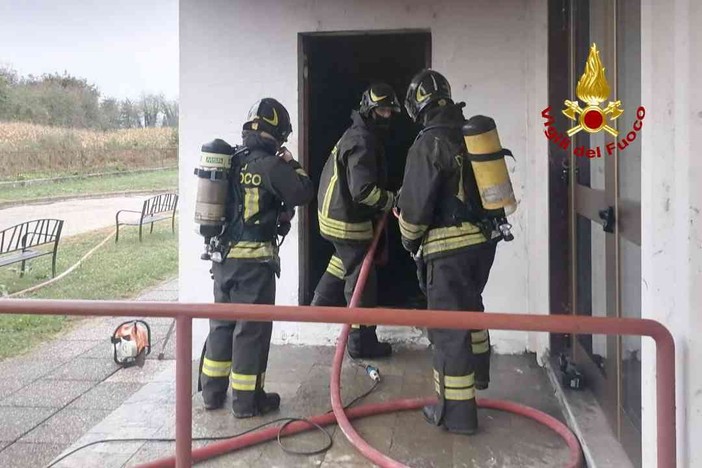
342,417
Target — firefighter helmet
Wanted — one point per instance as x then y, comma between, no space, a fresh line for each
378,95
270,116
426,88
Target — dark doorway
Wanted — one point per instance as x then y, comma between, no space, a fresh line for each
335,68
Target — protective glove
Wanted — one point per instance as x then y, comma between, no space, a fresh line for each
284,219
392,198
421,270
286,215
283,228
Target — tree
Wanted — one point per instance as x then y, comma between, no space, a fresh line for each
65,100
110,115
8,83
68,101
129,115
170,113
150,107
51,99
8,79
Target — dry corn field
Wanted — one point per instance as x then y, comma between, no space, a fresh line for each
28,150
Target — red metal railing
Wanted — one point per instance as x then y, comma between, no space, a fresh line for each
184,313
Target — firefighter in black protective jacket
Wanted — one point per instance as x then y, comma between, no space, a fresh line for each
272,182
351,197
453,247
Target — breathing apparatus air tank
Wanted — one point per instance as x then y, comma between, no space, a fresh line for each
212,190
487,158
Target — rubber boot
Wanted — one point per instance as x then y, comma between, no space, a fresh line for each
214,402
458,417
363,344
211,397
248,404
481,358
482,371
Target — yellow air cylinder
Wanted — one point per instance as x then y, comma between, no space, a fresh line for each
487,158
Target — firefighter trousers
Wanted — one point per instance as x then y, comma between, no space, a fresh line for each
456,282
339,280
336,286
238,350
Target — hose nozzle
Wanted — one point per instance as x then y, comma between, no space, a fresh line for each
505,230
373,373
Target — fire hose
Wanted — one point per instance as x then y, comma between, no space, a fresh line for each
343,416
57,278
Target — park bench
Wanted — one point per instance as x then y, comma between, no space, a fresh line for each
159,208
28,240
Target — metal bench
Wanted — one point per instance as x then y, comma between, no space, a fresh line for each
24,241
159,208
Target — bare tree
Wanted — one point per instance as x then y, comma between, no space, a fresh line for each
110,114
150,107
170,113
129,115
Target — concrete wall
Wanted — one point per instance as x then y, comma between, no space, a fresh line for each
494,54
671,203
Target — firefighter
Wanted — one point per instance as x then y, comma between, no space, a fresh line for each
352,195
442,228
270,180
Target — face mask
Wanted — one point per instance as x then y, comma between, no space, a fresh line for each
381,123
256,140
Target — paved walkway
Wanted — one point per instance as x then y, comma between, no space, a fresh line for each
69,392
79,215
51,396
301,375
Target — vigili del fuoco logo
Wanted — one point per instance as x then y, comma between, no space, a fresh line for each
592,90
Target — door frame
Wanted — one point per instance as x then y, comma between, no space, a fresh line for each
588,202
303,41
569,40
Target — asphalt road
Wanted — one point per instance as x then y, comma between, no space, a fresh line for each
79,215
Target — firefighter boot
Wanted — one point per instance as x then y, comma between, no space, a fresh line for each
363,344
248,404
214,390
456,410
480,347
459,417
215,401
482,371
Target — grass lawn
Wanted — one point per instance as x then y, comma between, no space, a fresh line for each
114,272
166,179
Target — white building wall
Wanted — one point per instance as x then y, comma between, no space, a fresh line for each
493,53
671,203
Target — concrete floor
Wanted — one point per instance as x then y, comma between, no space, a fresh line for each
301,375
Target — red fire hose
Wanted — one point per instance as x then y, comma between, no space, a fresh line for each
342,416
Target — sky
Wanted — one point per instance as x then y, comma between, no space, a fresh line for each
125,47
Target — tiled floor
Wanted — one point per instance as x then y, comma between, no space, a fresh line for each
51,396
